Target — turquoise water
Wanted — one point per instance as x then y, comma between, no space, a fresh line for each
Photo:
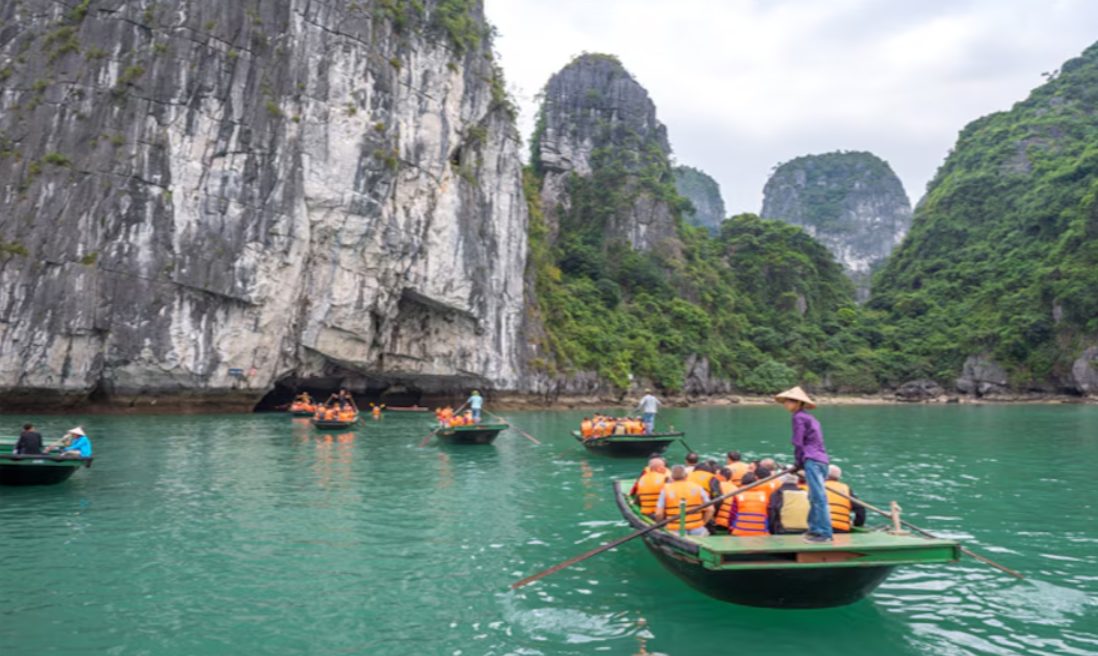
254,534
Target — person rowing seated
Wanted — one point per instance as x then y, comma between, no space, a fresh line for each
673,493
787,509
748,514
646,489
74,444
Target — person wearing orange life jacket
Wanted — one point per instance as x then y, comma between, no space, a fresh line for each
748,514
705,475
724,508
787,509
681,489
646,490
766,467
587,428
839,506
737,466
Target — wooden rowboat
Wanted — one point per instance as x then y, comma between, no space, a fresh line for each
332,424
40,469
410,409
471,434
629,446
784,571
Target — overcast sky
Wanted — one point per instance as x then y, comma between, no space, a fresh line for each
743,85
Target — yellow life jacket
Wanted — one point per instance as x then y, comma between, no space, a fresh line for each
725,510
700,477
794,512
750,513
676,490
738,469
649,486
840,508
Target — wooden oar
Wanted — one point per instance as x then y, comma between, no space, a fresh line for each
688,449
524,433
427,438
968,552
636,534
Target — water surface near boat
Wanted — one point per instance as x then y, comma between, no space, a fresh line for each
213,534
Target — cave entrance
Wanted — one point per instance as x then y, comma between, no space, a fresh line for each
364,392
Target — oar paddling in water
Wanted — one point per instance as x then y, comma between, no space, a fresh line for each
636,534
925,533
524,433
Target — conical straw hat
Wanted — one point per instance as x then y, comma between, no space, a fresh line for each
796,394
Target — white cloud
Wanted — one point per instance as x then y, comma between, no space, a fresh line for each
744,84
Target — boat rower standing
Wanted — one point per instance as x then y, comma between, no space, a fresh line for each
475,403
810,454
648,406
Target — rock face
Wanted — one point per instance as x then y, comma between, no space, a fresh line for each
203,197
919,390
704,194
1085,372
595,116
851,202
982,376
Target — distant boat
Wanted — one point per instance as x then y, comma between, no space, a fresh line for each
333,424
470,434
629,446
784,571
40,469
411,409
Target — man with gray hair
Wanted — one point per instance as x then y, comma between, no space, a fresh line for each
680,489
839,506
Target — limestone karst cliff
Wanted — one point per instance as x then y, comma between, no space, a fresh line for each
851,202
596,119
204,198
704,194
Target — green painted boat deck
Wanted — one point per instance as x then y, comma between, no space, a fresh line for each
862,540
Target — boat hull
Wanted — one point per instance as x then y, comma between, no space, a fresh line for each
482,434
628,446
773,588
301,413
33,470
333,425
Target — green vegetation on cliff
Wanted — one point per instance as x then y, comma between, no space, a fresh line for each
1002,257
763,301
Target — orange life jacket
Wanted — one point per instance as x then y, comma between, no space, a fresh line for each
700,477
738,469
376,412
840,508
586,428
692,492
725,510
751,513
649,486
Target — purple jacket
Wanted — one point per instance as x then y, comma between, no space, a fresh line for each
808,439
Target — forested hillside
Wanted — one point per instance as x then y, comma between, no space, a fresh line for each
1002,258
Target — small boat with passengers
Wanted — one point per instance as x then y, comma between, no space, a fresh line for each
629,446
38,469
334,424
784,571
483,433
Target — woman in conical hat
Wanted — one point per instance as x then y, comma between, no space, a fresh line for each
810,455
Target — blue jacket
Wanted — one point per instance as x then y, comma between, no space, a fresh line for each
81,444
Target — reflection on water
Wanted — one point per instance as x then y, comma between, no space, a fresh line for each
196,535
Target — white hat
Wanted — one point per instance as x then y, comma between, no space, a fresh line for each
76,431
796,394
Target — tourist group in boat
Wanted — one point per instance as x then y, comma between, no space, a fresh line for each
814,502
73,444
450,418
